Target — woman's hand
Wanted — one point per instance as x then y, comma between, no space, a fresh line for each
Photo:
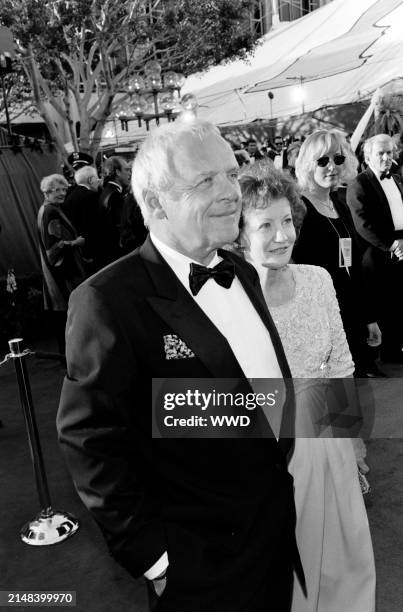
374,334
360,451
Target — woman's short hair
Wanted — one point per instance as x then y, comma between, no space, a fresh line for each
316,145
262,183
53,180
153,166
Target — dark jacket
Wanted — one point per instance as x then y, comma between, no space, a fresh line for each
81,207
318,244
109,223
223,508
371,212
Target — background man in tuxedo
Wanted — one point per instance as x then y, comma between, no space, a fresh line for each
210,523
110,210
76,160
81,208
375,201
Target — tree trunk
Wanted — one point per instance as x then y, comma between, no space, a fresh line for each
34,76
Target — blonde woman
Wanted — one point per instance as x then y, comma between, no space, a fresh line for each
328,238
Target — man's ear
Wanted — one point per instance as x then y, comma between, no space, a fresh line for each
153,204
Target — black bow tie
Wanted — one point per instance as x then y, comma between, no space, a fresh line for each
385,175
223,274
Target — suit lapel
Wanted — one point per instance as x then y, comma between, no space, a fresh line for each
382,200
179,310
398,184
254,292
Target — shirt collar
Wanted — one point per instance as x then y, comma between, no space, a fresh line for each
179,263
120,188
377,174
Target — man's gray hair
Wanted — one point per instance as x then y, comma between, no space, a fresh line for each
153,167
51,181
82,175
369,144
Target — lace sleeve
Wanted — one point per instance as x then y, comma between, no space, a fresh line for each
340,361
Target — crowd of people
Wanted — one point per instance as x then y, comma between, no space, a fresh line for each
282,150
245,274
83,227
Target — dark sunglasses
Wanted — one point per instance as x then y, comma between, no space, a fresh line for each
338,160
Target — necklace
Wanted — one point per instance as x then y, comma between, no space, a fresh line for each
328,204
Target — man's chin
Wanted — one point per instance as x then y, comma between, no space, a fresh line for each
225,239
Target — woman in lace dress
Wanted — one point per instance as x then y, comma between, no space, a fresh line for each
332,526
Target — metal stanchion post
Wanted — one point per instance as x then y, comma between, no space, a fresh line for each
49,526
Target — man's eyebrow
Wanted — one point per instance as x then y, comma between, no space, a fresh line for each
202,174
206,173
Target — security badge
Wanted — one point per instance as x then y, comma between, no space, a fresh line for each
344,252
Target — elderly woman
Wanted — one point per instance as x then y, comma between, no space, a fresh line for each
332,527
328,239
59,245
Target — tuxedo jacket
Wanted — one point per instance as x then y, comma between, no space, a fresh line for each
222,508
371,212
109,222
80,207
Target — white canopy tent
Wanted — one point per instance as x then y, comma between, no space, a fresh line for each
341,53
337,54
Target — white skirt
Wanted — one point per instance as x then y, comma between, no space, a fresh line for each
332,529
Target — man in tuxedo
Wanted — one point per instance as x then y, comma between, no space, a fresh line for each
110,210
208,522
253,150
375,201
81,207
76,160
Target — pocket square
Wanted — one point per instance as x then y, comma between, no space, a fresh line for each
175,348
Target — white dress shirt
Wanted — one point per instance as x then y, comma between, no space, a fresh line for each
235,317
232,313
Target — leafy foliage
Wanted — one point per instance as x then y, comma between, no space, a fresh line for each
388,116
77,55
